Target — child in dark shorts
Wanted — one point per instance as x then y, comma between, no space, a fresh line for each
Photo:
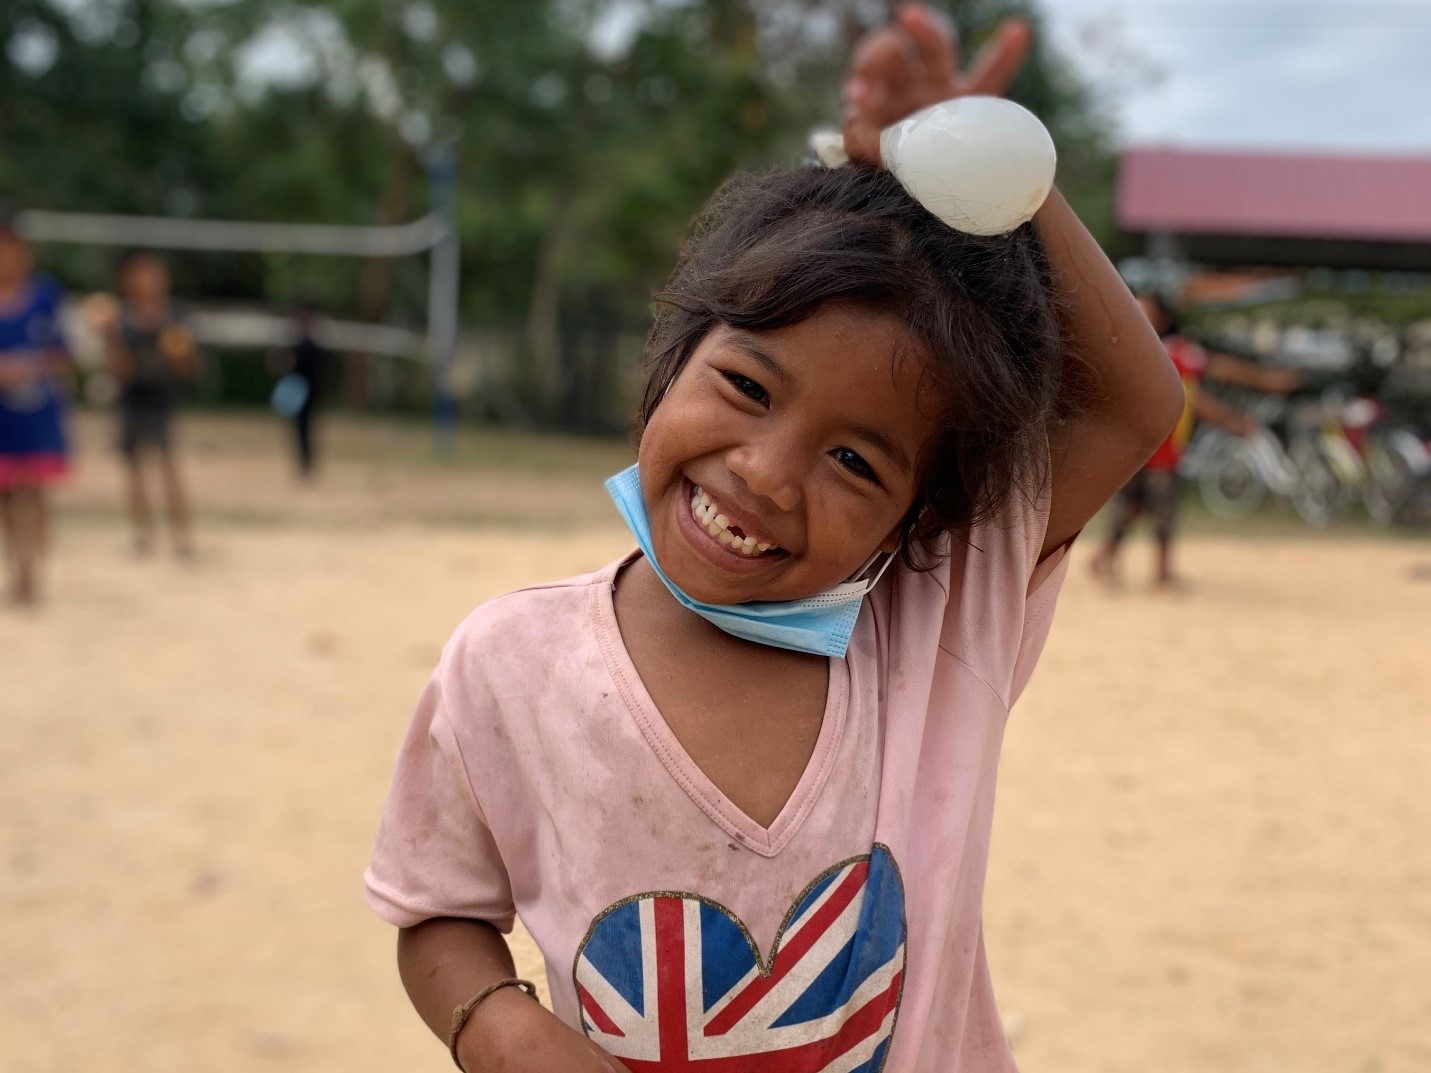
1153,490
151,353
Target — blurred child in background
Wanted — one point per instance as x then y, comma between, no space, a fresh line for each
33,452
305,372
151,353
1154,489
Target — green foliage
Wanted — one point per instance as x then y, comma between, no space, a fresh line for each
582,153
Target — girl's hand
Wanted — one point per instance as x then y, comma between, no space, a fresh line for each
509,1033
913,63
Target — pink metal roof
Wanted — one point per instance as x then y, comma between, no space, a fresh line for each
1275,195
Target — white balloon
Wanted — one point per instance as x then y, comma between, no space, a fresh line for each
983,165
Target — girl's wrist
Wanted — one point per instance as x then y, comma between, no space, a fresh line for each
491,1028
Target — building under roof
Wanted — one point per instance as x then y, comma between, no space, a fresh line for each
1243,208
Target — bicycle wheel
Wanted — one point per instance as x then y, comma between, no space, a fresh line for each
1415,508
1396,463
1229,484
1320,497
1389,480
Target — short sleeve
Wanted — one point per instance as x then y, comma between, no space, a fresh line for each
434,855
1003,594
1027,524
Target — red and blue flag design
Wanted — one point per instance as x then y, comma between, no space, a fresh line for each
673,983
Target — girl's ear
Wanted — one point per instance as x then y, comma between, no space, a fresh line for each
895,539
890,544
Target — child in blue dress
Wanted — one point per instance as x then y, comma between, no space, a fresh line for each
33,453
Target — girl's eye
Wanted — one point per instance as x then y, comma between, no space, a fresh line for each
748,387
855,464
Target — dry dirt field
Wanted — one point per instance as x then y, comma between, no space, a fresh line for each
1211,850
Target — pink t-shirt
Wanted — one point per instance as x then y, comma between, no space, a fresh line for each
538,778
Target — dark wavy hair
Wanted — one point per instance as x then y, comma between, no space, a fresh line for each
770,250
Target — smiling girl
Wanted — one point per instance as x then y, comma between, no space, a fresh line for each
739,784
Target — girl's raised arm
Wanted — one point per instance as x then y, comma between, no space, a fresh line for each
1134,395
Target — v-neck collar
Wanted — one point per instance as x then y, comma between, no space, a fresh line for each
766,841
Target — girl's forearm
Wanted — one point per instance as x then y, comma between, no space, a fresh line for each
1131,385
444,962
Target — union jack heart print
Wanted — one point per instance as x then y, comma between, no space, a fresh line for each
672,983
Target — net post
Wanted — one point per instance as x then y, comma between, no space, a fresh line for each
444,278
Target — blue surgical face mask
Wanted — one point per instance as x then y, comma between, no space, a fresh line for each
819,624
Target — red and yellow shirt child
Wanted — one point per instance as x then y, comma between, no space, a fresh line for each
1191,362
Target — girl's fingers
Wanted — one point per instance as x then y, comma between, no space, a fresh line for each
914,62
936,44
883,59
863,123
1000,59
871,54
862,143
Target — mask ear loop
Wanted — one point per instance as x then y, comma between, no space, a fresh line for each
889,558
872,582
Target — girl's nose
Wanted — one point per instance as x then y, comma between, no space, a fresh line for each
770,471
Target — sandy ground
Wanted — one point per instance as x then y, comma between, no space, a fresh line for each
1210,853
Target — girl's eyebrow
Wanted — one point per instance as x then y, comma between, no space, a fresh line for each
749,343
876,438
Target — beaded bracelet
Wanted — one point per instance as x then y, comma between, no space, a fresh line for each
463,1012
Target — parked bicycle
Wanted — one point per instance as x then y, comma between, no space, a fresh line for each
1321,455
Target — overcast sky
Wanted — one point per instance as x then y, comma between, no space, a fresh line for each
1281,74
1350,74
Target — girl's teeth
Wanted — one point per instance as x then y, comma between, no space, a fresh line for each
718,526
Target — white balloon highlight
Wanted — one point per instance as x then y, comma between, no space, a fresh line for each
983,165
